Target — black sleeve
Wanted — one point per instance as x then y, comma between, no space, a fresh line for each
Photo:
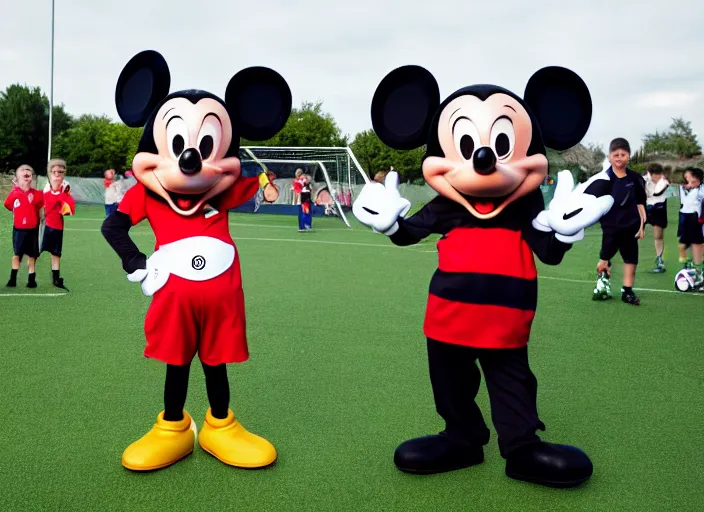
546,247
116,229
416,227
641,194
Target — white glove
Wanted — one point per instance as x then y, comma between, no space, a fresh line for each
571,211
153,278
379,206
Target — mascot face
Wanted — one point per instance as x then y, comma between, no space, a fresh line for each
188,151
486,164
189,166
485,145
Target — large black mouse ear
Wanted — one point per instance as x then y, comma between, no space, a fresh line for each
143,83
403,107
562,105
259,101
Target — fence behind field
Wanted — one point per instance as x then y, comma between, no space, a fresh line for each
92,191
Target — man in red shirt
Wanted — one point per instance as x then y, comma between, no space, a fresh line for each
57,203
25,203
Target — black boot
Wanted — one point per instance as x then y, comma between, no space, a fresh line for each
551,465
32,280
13,279
436,454
57,280
629,297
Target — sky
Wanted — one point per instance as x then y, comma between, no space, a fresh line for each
643,61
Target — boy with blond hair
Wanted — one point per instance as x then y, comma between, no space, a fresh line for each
25,204
57,203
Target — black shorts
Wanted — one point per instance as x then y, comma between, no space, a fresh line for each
689,231
53,241
657,215
25,242
622,241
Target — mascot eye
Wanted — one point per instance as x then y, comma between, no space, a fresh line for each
503,137
466,137
209,137
176,136
206,146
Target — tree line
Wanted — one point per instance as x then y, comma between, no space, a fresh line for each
93,143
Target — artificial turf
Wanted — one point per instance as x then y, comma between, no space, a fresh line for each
338,378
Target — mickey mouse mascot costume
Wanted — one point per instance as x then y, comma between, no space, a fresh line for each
188,177
486,158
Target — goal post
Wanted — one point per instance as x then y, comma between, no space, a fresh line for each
334,172
316,193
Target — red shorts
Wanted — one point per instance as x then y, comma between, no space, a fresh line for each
204,317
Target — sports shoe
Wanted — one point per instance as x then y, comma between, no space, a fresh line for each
659,266
699,279
629,297
602,289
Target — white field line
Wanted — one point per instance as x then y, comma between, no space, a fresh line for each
637,289
32,294
236,224
391,246
271,226
259,239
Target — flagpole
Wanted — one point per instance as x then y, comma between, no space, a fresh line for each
51,92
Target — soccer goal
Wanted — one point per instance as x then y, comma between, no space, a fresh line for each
334,173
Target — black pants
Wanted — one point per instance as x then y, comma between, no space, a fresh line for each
512,390
689,231
176,389
25,242
622,241
53,241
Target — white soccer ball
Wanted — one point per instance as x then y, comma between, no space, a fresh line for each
684,280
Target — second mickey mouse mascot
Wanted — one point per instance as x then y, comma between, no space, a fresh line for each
486,158
188,177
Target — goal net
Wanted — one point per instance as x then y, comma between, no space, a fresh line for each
335,176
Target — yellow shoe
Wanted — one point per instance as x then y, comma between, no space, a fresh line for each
228,441
167,442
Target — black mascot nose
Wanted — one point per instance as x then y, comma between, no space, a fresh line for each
190,162
484,161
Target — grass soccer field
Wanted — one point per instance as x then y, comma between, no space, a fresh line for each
338,378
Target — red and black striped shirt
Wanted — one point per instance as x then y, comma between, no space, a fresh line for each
485,290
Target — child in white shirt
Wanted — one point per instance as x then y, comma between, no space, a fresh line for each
689,230
656,186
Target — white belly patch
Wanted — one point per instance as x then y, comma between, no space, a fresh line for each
197,259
